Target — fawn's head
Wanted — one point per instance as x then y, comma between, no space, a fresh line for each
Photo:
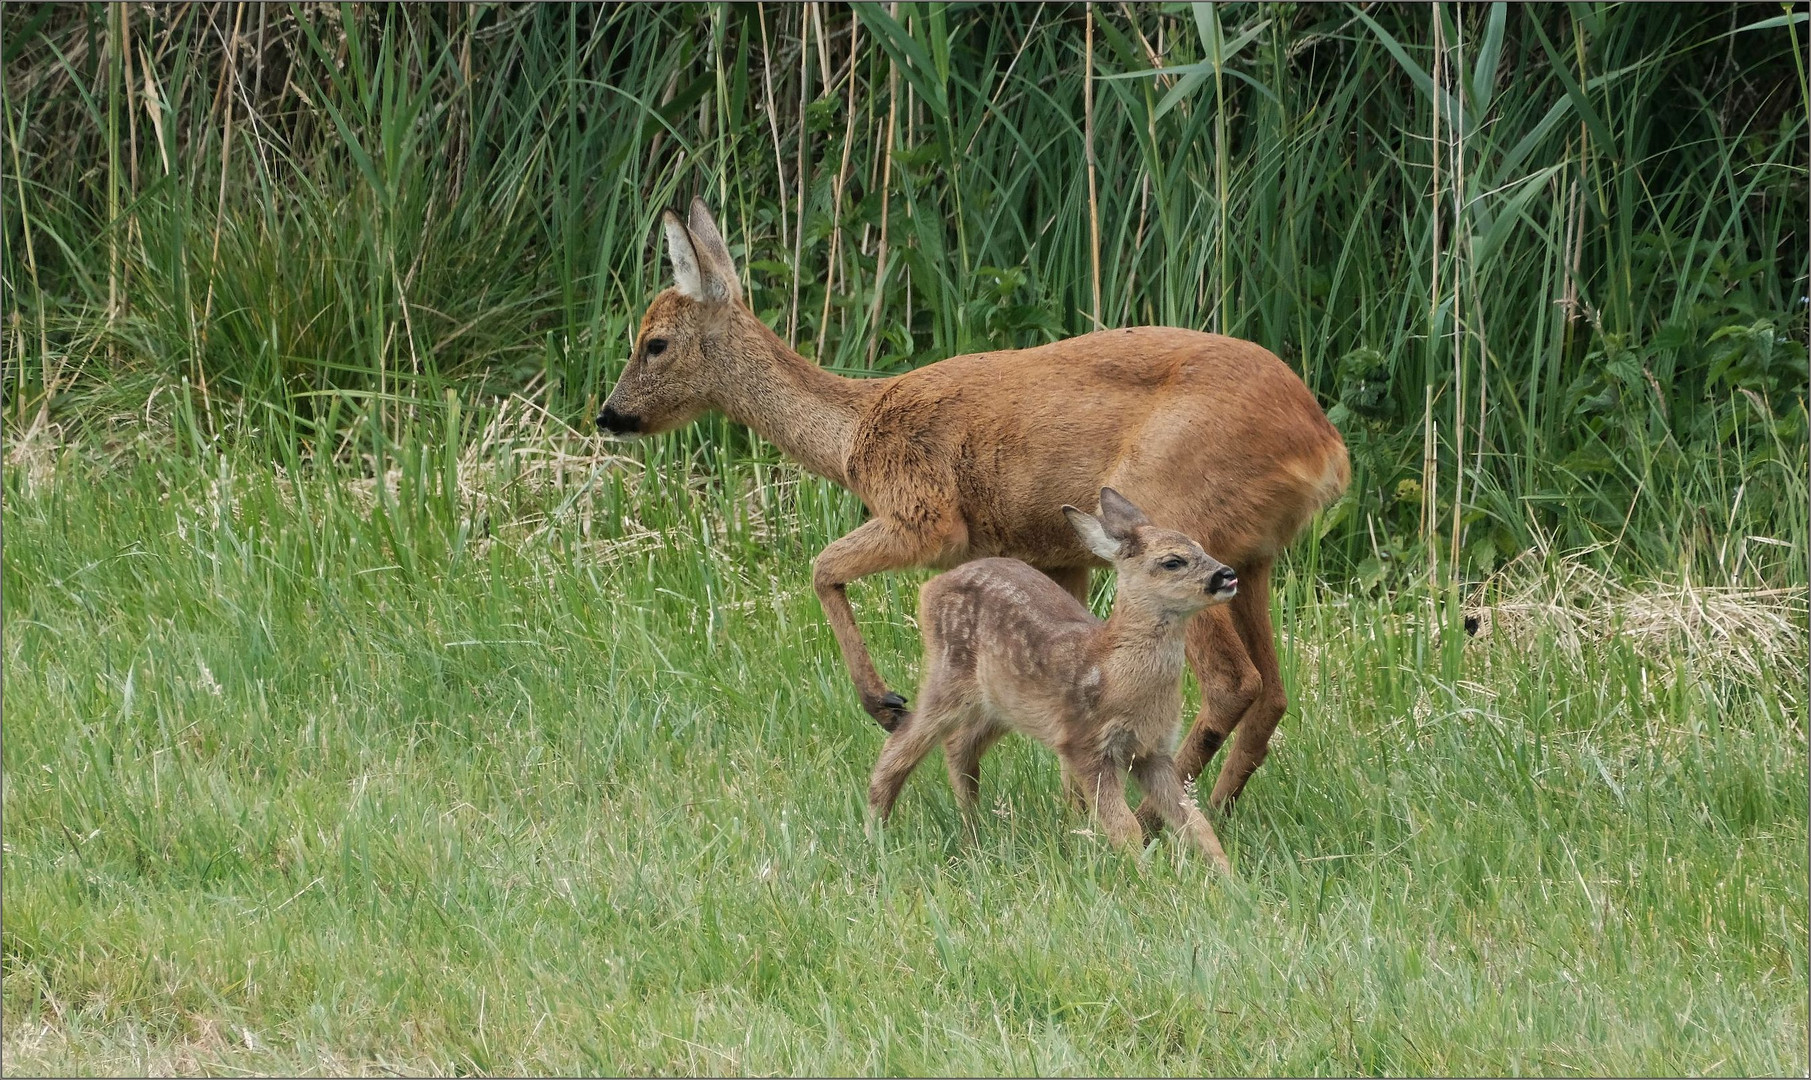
1159,569
676,372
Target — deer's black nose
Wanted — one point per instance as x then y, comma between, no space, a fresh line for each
1222,580
616,423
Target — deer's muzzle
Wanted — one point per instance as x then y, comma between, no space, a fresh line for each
614,423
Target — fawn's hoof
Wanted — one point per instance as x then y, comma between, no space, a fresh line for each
888,710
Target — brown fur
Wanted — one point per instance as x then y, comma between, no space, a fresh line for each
970,458
1006,648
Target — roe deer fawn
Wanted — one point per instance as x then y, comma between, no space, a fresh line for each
1007,649
970,457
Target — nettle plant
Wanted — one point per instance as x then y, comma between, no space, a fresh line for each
1385,501
1724,360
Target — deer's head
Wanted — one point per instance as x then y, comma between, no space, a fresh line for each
677,371
1160,570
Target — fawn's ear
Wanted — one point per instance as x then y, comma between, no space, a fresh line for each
686,271
1122,519
1093,533
715,265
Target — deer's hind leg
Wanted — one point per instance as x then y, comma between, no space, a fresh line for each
1230,683
1251,614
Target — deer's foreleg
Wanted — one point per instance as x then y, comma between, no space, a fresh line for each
878,545
1102,785
1165,794
1230,685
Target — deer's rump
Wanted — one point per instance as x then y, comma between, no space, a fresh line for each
1213,435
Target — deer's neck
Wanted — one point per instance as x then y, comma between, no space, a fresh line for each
807,412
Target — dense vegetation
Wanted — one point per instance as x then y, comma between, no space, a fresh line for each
1546,266
365,713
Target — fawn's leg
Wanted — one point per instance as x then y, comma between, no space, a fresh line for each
1230,683
1162,790
1103,787
907,746
962,752
879,544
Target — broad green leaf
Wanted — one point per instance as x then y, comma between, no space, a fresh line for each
1417,74
914,63
1773,23
1586,111
1197,74
1490,52
1504,217
1145,73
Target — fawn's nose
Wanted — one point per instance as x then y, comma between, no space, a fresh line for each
1223,580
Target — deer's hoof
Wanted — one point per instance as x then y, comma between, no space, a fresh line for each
889,711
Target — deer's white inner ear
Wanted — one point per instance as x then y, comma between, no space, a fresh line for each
1093,533
686,277
720,280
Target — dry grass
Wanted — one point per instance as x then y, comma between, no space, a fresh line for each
1732,631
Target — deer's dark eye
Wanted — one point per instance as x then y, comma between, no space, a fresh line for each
655,346
1174,562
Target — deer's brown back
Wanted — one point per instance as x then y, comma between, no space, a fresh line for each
1213,435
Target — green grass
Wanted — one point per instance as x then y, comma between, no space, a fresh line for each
527,767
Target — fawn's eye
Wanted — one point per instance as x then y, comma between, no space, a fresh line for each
655,346
1174,562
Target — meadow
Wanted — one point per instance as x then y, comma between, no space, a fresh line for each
552,766
365,713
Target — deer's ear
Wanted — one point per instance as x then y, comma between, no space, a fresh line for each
1117,513
686,271
1093,533
717,268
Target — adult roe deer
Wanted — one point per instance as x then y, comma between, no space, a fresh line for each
1008,649
971,456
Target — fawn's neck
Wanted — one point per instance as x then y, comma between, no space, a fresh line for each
1144,647
807,412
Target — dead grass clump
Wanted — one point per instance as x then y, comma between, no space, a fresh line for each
1740,631
35,454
